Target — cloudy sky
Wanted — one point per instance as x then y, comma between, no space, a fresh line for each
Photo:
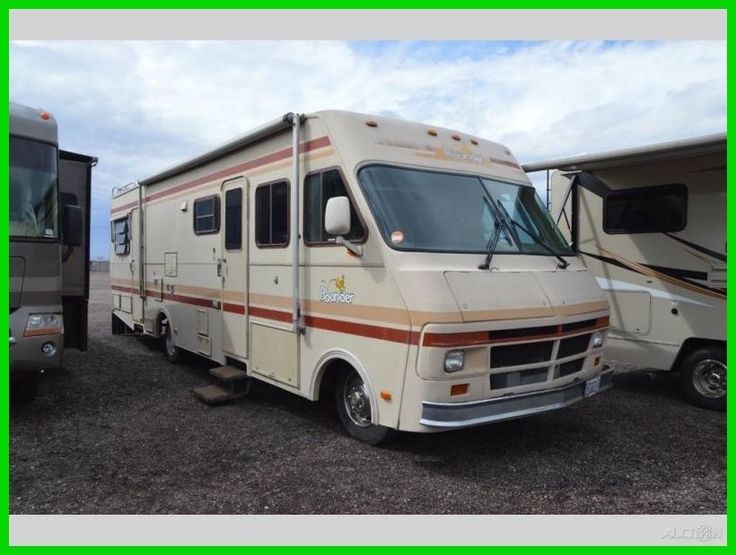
142,106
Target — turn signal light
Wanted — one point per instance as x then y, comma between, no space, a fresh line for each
458,389
385,395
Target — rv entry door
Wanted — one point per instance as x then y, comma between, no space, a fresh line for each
233,267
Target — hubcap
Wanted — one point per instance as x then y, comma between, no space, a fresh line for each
170,347
709,378
357,402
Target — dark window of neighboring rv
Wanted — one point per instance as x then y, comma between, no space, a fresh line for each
207,215
121,235
272,215
318,189
233,219
646,210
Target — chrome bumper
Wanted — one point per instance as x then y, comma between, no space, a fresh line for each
461,415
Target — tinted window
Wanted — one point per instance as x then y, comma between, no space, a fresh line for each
33,189
318,189
272,214
649,210
207,215
121,235
233,219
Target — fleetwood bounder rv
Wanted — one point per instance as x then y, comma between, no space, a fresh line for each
49,248
650,223
411,269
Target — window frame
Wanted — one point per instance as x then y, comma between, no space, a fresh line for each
215,214
224,211
360,241
651,189
129,234
270,184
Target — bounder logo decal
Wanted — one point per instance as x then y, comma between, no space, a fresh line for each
335,291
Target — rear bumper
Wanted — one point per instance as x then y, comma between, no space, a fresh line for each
462,415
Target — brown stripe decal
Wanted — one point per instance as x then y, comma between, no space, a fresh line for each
364,330
245,166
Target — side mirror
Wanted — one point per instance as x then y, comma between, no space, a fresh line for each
72,225
337,216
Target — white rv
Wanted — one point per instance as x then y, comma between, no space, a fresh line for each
411,270
650,223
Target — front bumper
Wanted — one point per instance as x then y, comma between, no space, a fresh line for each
507,407
25,353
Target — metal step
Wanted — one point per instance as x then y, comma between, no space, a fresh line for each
228,373
214,394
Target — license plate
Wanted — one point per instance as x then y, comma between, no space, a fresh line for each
592,387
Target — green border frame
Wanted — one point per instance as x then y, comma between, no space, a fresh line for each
337,4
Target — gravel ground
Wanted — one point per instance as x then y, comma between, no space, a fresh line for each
119,431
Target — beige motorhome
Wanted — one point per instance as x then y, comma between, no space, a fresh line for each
650,223
409,270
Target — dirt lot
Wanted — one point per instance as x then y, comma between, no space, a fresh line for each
118,430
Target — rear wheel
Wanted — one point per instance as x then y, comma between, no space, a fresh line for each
355,410
702,376
23,389
173,353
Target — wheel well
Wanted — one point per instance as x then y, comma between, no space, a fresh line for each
691,344
331,370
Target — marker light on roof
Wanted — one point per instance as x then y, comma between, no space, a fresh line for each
455,137
45,115
473,141
431,132
371,123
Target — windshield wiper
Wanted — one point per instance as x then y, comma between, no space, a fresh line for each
493,239
563,263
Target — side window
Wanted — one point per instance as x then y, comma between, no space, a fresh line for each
272,215
234,219
120,231
647,210
318,189
207,215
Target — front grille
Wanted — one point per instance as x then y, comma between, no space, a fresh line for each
573,326
567,368
516,355
520,377
573,345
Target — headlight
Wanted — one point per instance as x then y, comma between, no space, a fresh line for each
44,324
597,339
454,361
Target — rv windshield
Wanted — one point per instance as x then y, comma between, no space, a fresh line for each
33,189
420,210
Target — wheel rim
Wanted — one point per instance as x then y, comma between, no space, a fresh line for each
357,402
709,378
170,347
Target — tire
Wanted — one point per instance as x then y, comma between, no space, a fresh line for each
172,353
355,411
23,389
702,377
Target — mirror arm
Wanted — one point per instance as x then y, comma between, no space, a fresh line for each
357,250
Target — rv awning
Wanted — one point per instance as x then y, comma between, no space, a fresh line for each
697,146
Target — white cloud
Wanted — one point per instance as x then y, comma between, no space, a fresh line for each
140,106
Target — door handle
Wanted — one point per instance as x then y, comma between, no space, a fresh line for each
220,262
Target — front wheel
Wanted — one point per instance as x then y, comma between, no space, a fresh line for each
173,353
355,410
702,376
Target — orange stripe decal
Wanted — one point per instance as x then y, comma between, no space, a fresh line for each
245,166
